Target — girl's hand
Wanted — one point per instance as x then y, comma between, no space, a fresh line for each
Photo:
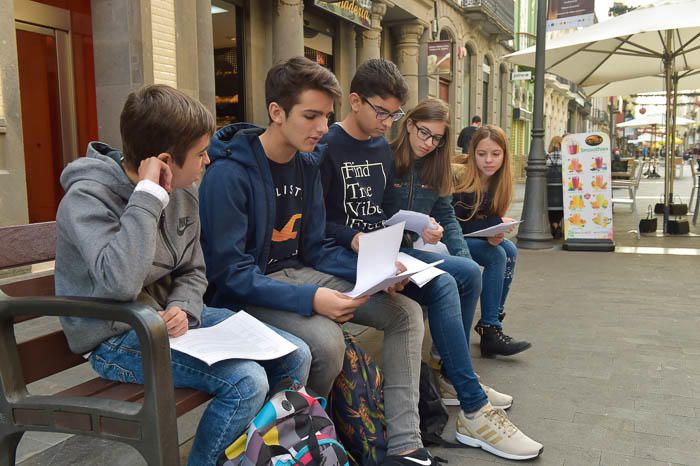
433,235
509,220
495,240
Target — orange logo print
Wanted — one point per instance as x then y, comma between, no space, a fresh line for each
287,233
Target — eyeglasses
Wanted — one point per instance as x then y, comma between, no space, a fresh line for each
383,114
424,134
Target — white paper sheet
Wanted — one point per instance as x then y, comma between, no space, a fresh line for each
492,231
437,248
420,278
376,263
241,336
415,221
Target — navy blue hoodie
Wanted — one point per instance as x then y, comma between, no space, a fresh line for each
237,212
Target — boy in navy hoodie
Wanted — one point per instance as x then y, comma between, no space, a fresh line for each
263,236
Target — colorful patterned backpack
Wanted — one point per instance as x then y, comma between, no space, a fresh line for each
356,405
291,429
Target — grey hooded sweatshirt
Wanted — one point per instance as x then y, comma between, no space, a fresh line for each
116,243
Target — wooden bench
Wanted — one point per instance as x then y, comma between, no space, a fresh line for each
143,416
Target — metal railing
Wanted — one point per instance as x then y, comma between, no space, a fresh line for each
501,10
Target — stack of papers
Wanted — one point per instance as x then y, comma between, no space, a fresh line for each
241,336
376,262
414,221
493,231
420,278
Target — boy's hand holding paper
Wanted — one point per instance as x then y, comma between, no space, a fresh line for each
376,262
241,336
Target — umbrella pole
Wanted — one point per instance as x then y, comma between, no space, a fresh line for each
668,172
673,136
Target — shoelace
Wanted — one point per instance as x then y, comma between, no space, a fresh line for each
503,337
499,416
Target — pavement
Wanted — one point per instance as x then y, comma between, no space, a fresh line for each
612,378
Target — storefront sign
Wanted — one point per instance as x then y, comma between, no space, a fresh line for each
440,57
587,188
521,75
565,14
356,11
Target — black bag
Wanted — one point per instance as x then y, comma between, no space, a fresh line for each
432,411
678,209
678,227
649,224
674,209
659,206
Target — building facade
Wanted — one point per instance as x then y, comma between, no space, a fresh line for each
66,67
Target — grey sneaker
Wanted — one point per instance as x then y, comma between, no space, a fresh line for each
492,431
449,394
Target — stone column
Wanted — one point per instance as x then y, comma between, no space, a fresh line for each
123,48
287,29
13,186
407,51
368,41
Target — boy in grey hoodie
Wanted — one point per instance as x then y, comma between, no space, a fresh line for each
128,230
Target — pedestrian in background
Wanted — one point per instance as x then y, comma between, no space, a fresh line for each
466,134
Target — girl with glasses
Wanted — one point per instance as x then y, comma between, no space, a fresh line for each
423,183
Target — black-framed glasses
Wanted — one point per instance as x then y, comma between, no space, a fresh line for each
383,114
424,134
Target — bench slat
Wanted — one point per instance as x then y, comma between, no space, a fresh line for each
186,399
46,355
40,286
31,244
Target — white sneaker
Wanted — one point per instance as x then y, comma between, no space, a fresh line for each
435,358
449,394
497,399
491,430
447,391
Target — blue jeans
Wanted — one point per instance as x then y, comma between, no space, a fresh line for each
451,301
239,386
499,266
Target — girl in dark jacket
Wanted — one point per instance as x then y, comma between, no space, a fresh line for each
482,195
423,183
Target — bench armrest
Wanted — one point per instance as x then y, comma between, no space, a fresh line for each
149,327
157,413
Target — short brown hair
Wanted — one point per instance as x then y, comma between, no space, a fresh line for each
158,118
287,80
381,78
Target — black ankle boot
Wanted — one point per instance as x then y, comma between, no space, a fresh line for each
495,342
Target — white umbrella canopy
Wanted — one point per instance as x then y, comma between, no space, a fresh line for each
652,120
688,81
660,39
627,46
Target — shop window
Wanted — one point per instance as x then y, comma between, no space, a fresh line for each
229,72
318,47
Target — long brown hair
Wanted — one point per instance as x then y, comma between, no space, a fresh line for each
436,171
468,177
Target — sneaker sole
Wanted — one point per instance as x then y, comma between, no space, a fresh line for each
476,443
504,407
493,355
455,402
